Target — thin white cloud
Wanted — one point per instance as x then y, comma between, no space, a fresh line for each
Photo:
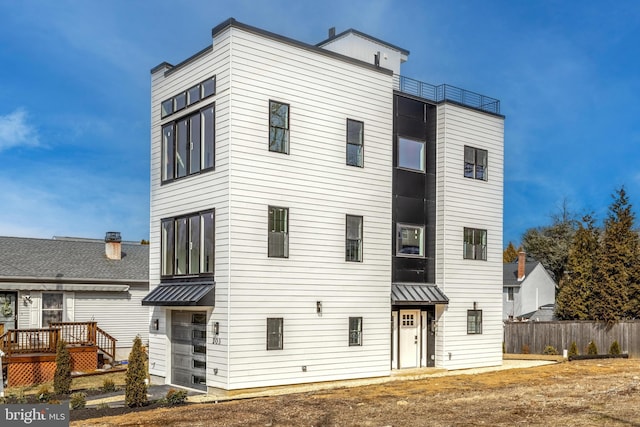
15,131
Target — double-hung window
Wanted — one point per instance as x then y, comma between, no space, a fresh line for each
510,294
474,321
410,240
188,245
475,244
278,240
188,144
355,331
353,244
355,143
411,154
52,308
274,333
278,127
475,163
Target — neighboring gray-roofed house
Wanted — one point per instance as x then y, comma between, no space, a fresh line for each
526,287
75,280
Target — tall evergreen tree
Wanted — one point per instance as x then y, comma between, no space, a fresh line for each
616,281
574,297
136,388
510,254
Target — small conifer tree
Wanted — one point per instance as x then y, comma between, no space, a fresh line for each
592,349
62,375
573,349
136,387
615,348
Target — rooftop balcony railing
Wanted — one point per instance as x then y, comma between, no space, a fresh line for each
446,93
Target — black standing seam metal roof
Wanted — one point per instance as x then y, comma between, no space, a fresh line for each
421,294
184,294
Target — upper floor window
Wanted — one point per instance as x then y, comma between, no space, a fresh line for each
410,240
188,144
475,163
355,331
189,97
278,127
474,321
353,245
274,333
278,232
411,154
188,244
475,244
355,143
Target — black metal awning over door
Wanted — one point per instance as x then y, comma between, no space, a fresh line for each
182,294
417,294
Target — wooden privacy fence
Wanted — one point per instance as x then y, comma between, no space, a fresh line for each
560,335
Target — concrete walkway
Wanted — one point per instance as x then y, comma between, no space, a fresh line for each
157,392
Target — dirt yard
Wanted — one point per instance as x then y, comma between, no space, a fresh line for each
580,393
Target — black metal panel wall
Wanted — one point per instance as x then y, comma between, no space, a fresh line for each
414,193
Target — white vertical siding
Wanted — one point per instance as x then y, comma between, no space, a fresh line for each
319,190
464,202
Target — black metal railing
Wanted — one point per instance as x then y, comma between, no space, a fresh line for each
446,93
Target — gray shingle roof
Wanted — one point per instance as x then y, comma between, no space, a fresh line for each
69,259
510,272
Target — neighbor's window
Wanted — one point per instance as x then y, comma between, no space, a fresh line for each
411,154
475,163
355,143
474,321
355,331
274,333
52,306
353,244
188,144
278,232
475,244
188,244
278,127
410,240
510,294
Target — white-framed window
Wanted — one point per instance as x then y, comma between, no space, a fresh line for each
278,127
278,240
353,243
52,307
474,321
187,244
411,154
475,163
275,333
410,240
355,143
475,244
355,331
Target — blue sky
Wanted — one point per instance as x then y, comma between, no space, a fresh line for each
75,79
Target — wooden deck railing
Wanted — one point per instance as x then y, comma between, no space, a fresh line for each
45,340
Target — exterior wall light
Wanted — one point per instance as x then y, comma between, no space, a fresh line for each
319,307
156,324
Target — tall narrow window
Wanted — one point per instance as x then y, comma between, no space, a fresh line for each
195,144
208,138
353,244
188,245
355,143
278,232
274,333
475,163
474,321
510,292
52,307
410,240
411,154
168,152
355,331
475,244
278,127
182,145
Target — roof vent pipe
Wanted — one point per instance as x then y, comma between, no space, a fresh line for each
332,32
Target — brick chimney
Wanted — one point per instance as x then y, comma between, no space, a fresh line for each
113,245
522,259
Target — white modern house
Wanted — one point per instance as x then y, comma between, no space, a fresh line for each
315,216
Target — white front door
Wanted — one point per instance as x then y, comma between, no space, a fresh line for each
409,338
